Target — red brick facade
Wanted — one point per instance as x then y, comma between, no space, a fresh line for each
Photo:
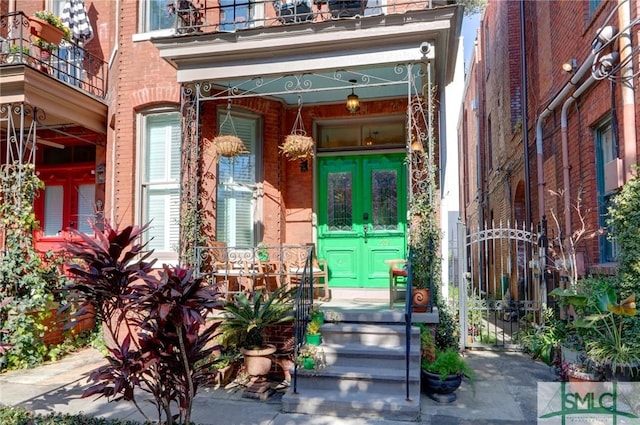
556,32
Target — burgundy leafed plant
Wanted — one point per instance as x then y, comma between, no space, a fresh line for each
156,320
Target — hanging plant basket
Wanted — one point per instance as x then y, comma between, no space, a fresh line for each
297,146
229,146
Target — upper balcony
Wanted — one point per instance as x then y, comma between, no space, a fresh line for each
67,62
207,16
63,85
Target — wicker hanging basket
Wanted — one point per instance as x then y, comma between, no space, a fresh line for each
298,145
229,146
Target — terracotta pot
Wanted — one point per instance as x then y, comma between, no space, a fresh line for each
45,31
420,300
258,362
582,382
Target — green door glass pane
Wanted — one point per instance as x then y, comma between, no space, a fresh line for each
339,208
384,200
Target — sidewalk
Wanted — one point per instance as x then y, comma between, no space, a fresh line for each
505,394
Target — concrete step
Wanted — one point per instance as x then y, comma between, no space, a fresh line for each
363,405
347,380
384,357
365,376
381,335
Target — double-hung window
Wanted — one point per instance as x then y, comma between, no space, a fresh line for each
155,16
160,181
237,201
606,156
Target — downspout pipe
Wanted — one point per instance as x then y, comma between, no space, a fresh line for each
565,151
573,82
625,48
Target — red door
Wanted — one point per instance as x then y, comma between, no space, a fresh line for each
67,201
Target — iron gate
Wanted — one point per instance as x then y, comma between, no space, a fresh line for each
500,286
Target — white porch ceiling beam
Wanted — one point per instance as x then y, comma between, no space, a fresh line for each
297,64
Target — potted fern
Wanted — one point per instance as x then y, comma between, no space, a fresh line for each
248,318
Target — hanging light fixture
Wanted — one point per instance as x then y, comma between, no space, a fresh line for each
353,102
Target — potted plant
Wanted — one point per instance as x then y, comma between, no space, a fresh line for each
262,251
607,326
313,335
442,376
248,318
311,357
442,369
17,54
316,314
613,327
48,27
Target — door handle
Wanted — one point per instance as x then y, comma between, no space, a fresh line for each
365,218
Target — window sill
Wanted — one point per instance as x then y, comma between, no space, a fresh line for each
146,36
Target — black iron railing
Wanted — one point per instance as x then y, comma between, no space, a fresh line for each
193,16
302,305
408,319
67,62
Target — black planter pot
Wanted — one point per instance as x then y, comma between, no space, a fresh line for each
626,373
442,391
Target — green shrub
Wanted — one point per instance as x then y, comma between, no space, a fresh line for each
20,416
624,227
448,362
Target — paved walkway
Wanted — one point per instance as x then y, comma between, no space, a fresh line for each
505,394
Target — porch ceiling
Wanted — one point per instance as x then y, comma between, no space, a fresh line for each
327,54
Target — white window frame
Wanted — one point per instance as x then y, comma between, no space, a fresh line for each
144,33
169,253
229,214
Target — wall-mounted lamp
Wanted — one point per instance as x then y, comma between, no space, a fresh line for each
353,102
369,140
101,173
570,66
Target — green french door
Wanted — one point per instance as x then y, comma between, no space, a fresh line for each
361,217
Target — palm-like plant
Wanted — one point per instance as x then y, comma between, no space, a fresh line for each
249,316
611,325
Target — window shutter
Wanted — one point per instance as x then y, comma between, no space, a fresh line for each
237,182
53,203
86,207
161,181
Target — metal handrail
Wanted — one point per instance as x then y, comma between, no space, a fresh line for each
408,311
302,305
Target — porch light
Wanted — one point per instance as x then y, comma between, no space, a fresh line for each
570,66
353,102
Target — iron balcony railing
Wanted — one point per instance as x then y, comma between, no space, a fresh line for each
193,16
68,62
